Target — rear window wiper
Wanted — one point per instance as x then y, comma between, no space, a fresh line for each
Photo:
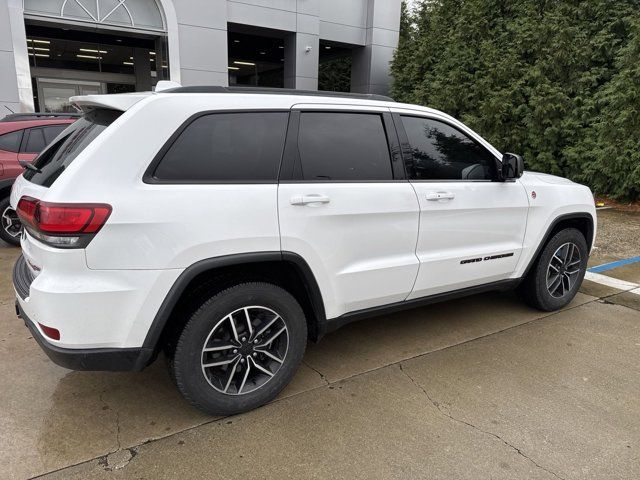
29,166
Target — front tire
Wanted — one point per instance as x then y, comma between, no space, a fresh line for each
10,225
558,272
240,348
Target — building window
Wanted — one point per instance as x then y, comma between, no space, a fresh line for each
255,60
138,14
334,69
68,62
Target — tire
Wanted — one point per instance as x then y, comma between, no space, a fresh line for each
10,226
540,288
234,375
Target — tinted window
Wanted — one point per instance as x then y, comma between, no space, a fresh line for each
52,131
441,152
59,155
10,142
343,146
35,141
227,147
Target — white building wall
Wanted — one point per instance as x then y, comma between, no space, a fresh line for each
16,94
197,37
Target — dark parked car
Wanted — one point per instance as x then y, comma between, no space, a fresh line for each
22,137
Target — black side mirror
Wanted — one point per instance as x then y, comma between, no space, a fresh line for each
512,167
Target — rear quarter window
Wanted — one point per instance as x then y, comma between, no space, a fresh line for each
10,142
60,154
224,148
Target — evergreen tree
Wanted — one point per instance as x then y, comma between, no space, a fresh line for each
403,59
557,80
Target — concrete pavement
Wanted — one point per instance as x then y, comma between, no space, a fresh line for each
554,398
477,388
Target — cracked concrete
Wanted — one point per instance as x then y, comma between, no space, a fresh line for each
438,406
118,459
324,379
118,430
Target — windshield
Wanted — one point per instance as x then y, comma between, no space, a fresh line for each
67,146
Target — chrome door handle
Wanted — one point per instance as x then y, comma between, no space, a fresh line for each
435,196
310,199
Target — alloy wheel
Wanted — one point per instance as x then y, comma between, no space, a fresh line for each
563,270
10,222
244,350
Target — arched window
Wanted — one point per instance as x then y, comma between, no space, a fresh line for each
129,14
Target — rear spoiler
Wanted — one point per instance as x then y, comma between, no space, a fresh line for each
118,101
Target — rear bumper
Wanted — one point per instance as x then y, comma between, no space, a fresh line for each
94,359
22,277
92,309
107,359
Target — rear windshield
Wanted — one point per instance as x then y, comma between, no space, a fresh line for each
68,145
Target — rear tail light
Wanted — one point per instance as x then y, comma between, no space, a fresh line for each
65,225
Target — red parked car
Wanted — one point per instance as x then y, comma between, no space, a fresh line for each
22,137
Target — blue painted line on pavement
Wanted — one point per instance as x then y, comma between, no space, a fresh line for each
612,265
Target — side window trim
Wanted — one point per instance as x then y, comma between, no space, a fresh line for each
405,147
407,153
393,140
149,178
290,155
291,163
26,133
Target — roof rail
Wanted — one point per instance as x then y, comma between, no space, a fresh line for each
276,91
17,117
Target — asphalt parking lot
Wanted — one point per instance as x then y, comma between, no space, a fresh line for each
483,387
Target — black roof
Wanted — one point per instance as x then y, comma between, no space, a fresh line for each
17,117
276,91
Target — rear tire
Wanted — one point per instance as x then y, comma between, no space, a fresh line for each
240,348
557,274
10,225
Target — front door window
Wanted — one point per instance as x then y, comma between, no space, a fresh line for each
442,152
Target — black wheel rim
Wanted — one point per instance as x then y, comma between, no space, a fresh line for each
245,350
11,223
563,270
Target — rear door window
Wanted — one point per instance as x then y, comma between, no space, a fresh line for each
340,146
59,155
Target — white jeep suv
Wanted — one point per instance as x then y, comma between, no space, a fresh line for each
229,227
